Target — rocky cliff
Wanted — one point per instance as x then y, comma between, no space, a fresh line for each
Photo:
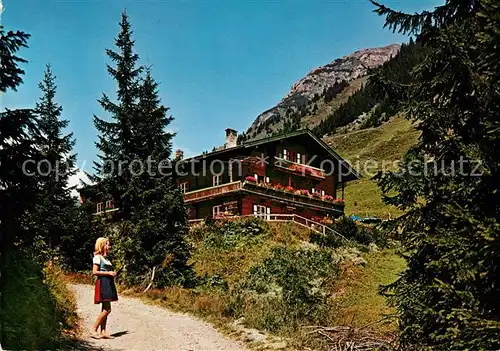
319,88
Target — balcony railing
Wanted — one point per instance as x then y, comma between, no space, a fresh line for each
299,168
206,193
280,192
298,196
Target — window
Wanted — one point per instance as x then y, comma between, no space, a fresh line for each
183,186
262,211
99,207
110,204
216,180
217,210
299,158
285,154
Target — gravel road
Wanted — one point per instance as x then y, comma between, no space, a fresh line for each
137,326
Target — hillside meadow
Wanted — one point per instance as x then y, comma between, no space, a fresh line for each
373,149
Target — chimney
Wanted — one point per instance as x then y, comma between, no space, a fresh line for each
231,138
179,154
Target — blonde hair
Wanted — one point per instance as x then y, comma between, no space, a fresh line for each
100,243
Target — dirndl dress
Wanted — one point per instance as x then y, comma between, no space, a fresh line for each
105,288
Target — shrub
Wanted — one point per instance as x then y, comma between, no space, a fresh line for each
358,233
328,239
286,289
228,234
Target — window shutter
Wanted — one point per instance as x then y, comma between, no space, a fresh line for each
268,210
254,209
312,191
322,193
267,179
299,158
256,176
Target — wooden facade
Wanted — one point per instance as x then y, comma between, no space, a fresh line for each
289,174
295,173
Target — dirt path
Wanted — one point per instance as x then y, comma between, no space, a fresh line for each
137,326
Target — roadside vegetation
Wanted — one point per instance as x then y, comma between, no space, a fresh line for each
38,310
252,275
36,213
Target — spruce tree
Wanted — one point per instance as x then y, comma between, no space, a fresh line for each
55,207
153,121
158,225
448,298
117,144
18,188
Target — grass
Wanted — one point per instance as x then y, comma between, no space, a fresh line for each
370,150
356,299
38,311
388,142
232,264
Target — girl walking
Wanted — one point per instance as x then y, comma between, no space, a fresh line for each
105,289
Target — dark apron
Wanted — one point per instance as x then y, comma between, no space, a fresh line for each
105,288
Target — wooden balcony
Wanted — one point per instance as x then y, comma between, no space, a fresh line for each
214,191
263,190
299,169
281,194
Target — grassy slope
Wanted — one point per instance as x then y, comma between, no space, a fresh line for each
380,146
38,310
358,302
354,298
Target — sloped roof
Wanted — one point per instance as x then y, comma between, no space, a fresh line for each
351,173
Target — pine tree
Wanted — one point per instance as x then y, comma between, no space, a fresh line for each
449,297
151,127
18,156
55,206
117,144
154,237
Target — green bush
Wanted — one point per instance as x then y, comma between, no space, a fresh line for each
328,239
212,283
286,289
349,229
230,234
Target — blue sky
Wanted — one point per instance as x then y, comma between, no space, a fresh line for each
219,63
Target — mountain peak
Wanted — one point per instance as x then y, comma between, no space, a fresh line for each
345,68
330,79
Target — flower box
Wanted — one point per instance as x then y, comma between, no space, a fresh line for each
250,179
328,198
